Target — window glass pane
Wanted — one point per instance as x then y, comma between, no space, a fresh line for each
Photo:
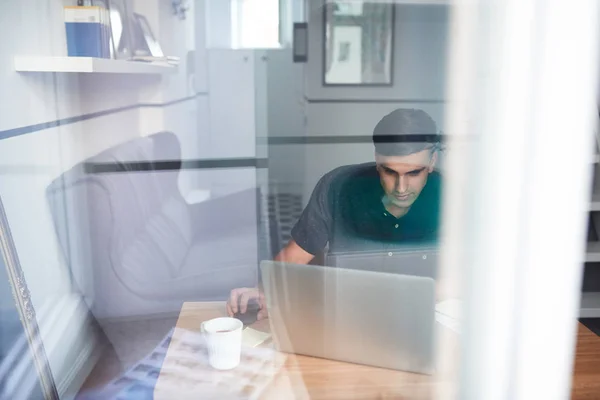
257,23
188,211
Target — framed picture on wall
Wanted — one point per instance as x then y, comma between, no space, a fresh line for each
358,43
23,358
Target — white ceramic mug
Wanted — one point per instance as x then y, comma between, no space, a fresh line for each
223,341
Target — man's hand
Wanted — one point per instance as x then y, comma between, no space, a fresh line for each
239,298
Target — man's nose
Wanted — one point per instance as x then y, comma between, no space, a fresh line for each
402,184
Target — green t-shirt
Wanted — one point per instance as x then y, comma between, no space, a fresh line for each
346,211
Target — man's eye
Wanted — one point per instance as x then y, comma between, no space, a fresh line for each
390,172
414,173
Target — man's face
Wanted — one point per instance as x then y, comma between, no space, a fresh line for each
404,177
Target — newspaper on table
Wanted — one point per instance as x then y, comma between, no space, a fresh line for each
186,373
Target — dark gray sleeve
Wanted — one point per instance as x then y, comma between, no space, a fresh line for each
311,232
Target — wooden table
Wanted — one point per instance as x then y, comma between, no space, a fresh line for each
586,372
303,377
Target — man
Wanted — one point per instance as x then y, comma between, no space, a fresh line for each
374,205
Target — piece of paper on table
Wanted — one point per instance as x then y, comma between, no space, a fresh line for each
138,381
448,313
252,337
451,308
186,373
448,322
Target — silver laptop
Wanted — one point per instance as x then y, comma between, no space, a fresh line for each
408,260
372,318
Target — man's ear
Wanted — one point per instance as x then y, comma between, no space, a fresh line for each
433,161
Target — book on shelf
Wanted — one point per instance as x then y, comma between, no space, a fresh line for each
88,31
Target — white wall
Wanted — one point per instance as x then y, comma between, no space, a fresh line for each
28,163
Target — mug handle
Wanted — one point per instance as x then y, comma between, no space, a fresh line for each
202,330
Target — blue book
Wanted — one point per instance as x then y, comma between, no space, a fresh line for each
86,32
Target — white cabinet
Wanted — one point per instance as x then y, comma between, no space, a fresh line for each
232,105
237,113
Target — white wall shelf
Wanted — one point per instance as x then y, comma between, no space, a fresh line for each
590,305
89,65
